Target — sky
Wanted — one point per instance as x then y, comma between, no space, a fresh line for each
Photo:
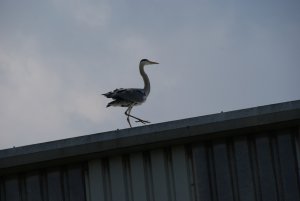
58,56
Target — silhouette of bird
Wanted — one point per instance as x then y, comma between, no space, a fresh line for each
131,97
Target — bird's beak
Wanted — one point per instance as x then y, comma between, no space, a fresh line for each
153,62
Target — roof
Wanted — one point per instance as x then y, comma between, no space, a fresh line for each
123,141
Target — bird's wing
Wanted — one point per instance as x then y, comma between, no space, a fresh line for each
132,95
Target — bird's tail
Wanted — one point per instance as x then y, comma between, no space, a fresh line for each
107,95
112,103
113,93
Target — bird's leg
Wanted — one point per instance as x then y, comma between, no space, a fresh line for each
127,113
128,120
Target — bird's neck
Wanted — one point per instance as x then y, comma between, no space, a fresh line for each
146,80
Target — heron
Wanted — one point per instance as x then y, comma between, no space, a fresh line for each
131,97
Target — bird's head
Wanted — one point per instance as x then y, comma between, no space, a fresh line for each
147,62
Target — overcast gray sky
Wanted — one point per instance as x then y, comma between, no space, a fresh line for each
58,56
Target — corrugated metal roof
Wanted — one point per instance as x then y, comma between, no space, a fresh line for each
208,126
245,155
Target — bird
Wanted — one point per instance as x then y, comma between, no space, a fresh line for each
131,97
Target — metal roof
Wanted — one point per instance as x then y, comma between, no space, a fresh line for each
150,136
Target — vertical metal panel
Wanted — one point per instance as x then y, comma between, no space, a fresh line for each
148,176
2,191
96,180
223,174
266,169
107,179
191,173
138,177
246,188
288,166
159,176
117,179
181,178
127,177
76,183
54,185
12,190
297,144
202,172
33,187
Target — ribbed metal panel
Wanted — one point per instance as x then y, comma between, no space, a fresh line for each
160,175
250,167
246,168
57,184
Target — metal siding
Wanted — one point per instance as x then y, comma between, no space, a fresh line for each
59,184
222,171
202,173
33,187
170,173
266,169
138,180
12,190
297,145
96,180
255,166
244,168
246,185
259,167
181,178
76,183
288,166
117,179
159,175
148,176
54,185
2,191
106,178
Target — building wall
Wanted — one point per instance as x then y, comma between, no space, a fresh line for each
261,167
223,157
256,166
249,167
66,183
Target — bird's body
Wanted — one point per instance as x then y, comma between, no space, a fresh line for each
126,97
132,96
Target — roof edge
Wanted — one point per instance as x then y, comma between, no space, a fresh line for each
151,134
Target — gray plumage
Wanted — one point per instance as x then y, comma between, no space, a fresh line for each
126,97
131,97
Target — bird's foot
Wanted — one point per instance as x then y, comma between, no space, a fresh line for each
143,121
